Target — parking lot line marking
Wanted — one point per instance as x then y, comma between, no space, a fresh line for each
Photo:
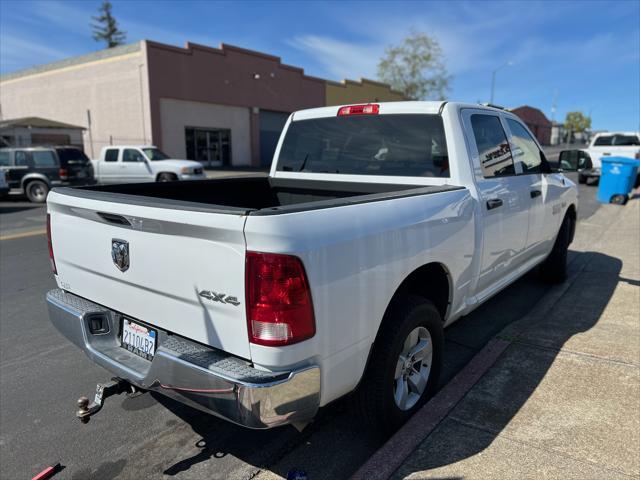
30,233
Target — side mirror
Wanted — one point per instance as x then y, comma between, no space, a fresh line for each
574,160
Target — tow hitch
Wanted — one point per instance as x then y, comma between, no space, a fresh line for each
116,386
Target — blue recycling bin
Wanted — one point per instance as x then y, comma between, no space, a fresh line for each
617,178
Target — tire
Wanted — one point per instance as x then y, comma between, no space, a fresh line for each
619,199
582,179
554,268
376,399
36,191
167,177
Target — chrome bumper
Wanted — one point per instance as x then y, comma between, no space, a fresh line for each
201,377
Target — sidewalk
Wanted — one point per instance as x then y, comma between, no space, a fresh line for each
562,399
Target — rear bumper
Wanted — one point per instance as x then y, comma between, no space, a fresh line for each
201,377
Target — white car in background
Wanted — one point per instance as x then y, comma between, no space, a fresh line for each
609,144
143,163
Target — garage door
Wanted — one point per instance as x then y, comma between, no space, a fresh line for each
271,125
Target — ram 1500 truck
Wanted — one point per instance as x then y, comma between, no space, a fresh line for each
261,299
143,163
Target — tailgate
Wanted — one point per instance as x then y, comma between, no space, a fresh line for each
174,255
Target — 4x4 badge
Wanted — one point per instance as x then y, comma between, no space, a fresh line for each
219,297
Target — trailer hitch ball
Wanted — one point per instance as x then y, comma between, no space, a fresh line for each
103,391
83,410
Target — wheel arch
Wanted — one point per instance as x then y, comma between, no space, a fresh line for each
34,176
173,174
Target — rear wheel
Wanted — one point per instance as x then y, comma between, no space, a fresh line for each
37,191
405,364
619,199
167,177
554,268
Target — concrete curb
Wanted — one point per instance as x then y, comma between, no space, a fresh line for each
388,458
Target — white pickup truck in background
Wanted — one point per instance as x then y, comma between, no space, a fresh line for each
261,299
142,163
609,144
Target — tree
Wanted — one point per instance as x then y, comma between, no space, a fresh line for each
106,28
415,67
577,122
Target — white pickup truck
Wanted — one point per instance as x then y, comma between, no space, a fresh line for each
142,163
609,144
261,299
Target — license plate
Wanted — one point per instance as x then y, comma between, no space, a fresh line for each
139,339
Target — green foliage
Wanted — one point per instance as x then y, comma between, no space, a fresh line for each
106,29
416,68
577,122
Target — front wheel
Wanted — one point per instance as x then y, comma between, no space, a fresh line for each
167,177
405,364
37,191
582,179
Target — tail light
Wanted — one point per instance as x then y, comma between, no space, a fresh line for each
368,109
51,257
63,173
279,306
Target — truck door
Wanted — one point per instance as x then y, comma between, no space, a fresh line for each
134,166
503,208
544,190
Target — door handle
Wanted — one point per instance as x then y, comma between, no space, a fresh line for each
494,203
535,193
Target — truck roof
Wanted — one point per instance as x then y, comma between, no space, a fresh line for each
426,107
129,146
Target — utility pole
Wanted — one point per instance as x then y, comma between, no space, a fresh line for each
493,77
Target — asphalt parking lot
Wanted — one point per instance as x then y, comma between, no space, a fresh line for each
42,375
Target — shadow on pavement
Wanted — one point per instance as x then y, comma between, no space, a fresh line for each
493,402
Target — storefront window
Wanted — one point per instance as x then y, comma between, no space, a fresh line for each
212,147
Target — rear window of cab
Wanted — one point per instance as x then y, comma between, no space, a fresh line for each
411,145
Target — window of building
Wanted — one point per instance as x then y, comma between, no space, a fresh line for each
209,146
132,155
493,146
111,155
525,149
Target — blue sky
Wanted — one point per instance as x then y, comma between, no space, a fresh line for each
586,54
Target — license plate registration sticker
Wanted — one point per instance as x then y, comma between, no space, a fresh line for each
138,339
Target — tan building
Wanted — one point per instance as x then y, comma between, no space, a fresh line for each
221,106
362,91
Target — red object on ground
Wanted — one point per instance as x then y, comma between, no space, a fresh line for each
48,472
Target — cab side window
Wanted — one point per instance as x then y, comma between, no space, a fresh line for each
493,146
111,155
22,159
131,155
5,159
525,150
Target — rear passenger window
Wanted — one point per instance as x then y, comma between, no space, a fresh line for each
493,147
111,155
43,158
22,159
525,150
5,159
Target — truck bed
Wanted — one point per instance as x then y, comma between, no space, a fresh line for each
255,195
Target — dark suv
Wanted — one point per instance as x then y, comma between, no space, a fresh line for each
36,170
